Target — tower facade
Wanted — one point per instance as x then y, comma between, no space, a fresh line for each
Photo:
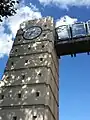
30,90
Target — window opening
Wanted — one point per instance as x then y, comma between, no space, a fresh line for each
34,117
23,76
37,94
12,63
29,47
45,25
2,96
19,95
43,46
15,50
44,35
26,61
39,74
41,59
15,118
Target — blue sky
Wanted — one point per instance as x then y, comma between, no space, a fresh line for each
74,72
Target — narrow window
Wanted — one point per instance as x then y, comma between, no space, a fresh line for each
41,59
23,76
19,39
15,118
39,74
7,77
12,63
2,96
26,61
15,50
45,25
19,95
34,117
44,35
29,47
37,94
42,46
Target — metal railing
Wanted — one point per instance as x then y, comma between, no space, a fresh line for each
70,32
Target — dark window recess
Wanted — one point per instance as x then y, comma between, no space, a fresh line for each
14,117
16,50
2,96
39,74
44,35
19,95
29,47
7,77
12,63
34,117
45,25
37,94
23,76
43,46
26,61
19,39
41,59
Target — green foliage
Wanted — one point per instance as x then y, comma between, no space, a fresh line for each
7,8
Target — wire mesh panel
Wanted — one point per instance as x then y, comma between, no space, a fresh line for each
63,32
78,30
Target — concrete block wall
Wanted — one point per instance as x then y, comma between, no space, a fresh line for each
31,76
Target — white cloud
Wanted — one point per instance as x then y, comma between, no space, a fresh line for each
66,3
5,44
33,7
23,13
5,41
65,20
62,31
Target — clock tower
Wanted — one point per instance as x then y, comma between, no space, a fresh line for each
31,84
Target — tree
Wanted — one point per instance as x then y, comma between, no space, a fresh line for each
7,8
